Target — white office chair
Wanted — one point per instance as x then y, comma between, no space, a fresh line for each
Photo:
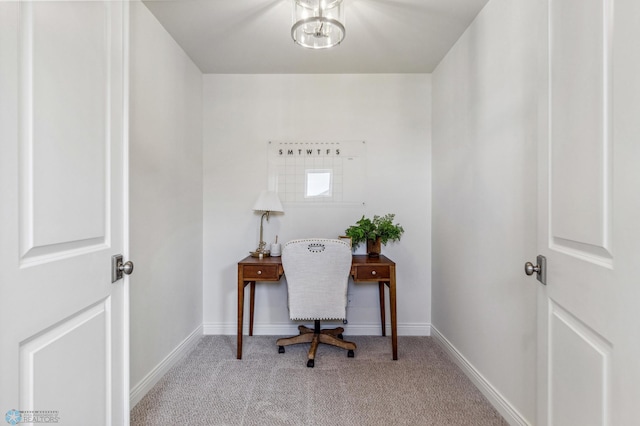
317,272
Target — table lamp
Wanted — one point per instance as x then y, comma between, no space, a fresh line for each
267,202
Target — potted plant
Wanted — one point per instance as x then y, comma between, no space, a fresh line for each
375,232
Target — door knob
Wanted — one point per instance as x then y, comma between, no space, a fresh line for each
530,268
540,268
127,267
119,267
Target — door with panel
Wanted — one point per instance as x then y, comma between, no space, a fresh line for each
587,171
63,323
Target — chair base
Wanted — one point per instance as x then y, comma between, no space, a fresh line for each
316,336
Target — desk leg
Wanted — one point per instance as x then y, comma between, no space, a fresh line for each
382,316
241,285
394,320
252,299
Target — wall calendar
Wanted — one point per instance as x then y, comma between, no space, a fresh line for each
319,172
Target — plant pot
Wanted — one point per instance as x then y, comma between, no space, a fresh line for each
374,247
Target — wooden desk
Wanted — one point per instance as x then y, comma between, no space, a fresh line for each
381,270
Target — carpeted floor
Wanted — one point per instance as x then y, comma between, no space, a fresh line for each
212,387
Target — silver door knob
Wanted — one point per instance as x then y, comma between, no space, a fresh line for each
119,267
127,267
530,268
540,268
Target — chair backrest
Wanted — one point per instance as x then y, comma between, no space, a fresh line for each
317,273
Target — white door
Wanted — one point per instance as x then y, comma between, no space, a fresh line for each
589,175
63,324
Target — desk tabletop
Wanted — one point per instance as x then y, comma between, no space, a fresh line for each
269,260
357,259
364,259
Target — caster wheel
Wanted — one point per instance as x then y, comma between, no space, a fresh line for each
310,363
280,349
340,336
351,354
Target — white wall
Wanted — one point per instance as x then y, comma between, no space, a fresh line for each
243,112
484,199
166,196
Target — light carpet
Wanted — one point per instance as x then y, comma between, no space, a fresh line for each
211,387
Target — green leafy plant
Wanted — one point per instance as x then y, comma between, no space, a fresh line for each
379,227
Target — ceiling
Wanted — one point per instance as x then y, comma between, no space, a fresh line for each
254,36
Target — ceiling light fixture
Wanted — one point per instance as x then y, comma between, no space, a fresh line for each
318,24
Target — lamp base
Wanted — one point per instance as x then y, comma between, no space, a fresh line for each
260,254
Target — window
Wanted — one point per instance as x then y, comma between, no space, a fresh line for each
318,183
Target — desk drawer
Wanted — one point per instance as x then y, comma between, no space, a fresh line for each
372,272
260,272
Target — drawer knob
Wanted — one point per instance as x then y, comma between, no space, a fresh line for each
373,272
259,272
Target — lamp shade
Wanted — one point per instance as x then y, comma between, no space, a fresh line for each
268,201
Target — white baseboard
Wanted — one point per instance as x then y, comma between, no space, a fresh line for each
183,349
290,328
499,402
